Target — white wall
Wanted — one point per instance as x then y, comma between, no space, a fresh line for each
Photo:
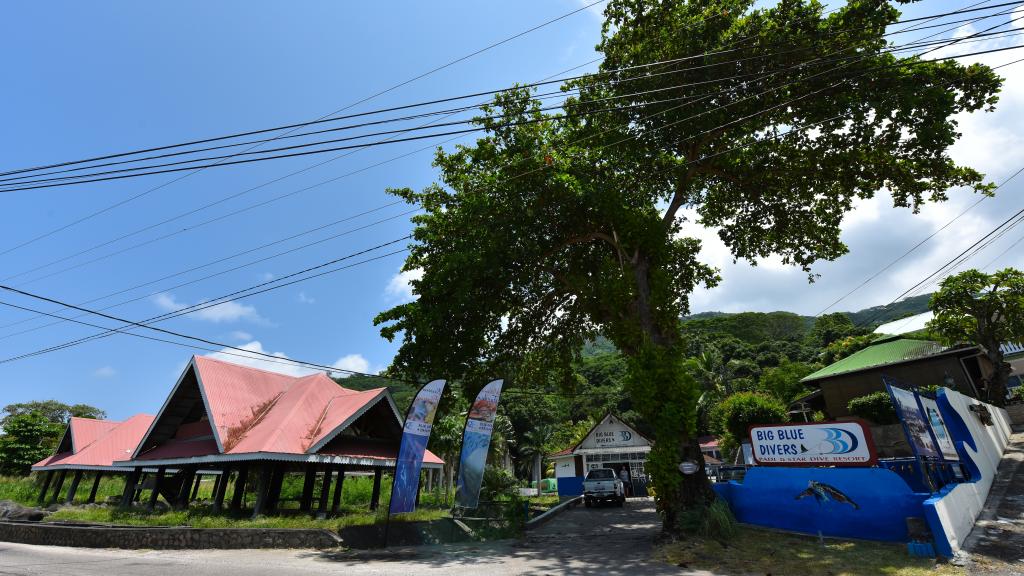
952,514
564,466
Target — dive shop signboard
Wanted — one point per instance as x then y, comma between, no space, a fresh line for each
813,444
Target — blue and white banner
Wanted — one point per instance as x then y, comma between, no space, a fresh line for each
813,444
476,442
418,423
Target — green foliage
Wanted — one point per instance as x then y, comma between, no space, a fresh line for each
737,413
28,438
831,327
753,327
877,315
875,407
52,410
497,483
548,232
715,521
783,382
983,309
846,346
818,416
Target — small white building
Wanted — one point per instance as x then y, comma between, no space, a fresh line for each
610,444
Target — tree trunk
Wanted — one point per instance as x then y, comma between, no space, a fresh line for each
538,461
1000,376
666,396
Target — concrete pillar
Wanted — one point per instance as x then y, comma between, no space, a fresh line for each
262,488
181,502
239,494
336,501
129,489
325,489
195,487
95,488
221,488
375,497
46,486
276,480
155,493
307,488
75,481
58,486
138,488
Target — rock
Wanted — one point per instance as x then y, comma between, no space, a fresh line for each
14,511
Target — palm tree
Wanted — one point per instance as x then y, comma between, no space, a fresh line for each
535,444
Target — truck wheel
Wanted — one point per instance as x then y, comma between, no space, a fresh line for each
622,501
587,503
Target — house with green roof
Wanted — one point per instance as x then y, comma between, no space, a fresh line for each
916,362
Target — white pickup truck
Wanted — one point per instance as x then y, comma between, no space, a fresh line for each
602,485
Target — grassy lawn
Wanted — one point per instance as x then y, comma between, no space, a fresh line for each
25,489
201,517
756,551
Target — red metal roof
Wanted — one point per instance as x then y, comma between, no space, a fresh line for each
99,443
254,411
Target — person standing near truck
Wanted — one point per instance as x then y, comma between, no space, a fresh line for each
627,486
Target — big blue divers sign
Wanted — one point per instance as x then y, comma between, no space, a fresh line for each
817,444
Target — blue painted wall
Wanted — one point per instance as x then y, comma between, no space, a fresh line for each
571,486
768,497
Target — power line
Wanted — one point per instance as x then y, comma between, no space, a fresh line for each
740,120
225,160
280,197
1008,224
244,293
361,101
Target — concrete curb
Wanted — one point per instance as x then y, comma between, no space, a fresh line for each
164,538
554,511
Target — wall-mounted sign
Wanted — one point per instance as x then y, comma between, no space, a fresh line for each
813,444
612,433
688,467
939,430
914,422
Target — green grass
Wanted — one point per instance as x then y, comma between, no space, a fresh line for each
202,517
354,508
25,489
757,551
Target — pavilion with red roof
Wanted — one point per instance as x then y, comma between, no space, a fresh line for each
244,421
90,446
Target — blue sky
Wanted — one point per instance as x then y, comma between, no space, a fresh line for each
83,79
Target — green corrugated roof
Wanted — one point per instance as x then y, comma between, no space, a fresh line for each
887,351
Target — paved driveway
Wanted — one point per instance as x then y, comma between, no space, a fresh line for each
608,541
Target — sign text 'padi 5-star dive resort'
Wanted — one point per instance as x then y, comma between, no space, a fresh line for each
823,443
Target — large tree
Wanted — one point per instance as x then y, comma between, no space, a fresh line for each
27,439
52,410
551,230
984,309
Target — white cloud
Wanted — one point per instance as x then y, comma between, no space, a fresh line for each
105,372
251,355
229,311
353,362
241,335
266,277
399,288
304,299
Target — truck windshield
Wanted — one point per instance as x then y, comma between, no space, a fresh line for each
601,474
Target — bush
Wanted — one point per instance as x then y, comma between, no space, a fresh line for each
876,408
715,521
737,413
497,483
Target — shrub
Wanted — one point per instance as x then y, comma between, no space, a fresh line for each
715,521
876,408
739,412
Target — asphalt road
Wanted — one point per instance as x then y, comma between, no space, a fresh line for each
608,541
